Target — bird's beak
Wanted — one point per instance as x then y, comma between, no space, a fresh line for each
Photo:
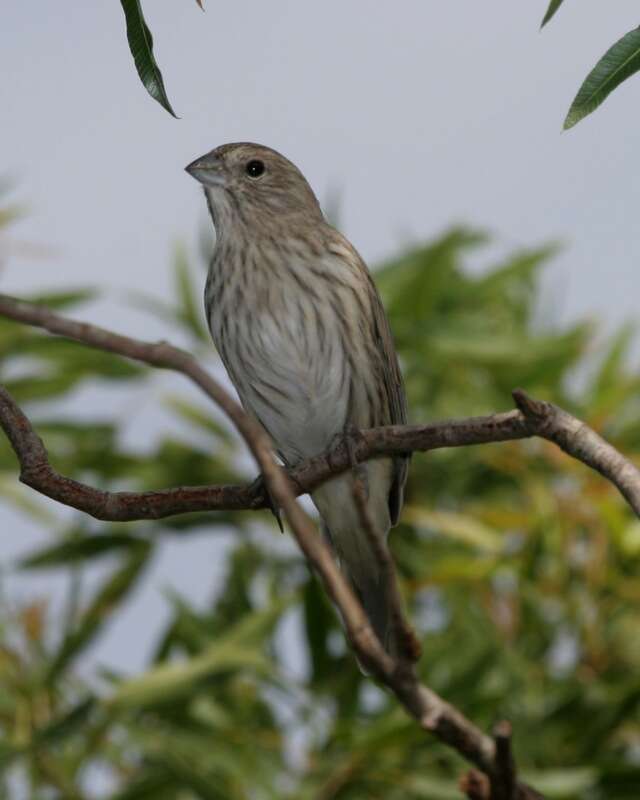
207,170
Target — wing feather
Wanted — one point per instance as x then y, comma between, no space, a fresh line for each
395,394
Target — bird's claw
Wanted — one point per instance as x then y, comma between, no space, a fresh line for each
351,436
260,486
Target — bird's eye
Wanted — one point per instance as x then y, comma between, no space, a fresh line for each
254,168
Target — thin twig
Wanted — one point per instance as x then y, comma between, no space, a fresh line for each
577,439
503,781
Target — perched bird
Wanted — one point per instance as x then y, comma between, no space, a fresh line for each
301,330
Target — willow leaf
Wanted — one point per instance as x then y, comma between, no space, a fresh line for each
554,5
619,62
141,46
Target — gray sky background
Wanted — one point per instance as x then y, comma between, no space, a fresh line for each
419,114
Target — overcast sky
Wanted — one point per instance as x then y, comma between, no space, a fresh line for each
419,114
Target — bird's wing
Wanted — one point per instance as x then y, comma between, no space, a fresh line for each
396,397
387,366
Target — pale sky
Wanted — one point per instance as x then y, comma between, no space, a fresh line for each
419,114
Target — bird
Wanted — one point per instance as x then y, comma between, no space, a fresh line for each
301,329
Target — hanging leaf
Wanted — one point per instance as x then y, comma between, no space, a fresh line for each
141,46
554,5
619,62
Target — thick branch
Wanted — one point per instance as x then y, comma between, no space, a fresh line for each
540,419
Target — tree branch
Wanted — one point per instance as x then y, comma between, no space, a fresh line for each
538,419
492,756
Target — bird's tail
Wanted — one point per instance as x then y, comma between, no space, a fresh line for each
350,540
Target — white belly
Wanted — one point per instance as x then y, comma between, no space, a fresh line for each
294,378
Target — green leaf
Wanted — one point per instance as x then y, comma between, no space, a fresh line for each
560,783
200,417
153,784
619,62
186,309
25,501
79,548
554,5
460,527
238,648
190,311
610,372
319,622
61,727
141,46
105,601
63,299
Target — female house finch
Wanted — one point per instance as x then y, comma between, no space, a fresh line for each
301,330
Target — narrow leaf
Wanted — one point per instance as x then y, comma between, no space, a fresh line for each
67,724
554,5
611,370
105,601
461,527
619,62
141,46
189,310
237,649
79,548
58,300
153,784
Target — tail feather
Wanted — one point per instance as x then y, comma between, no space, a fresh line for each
376,603
370,589
344,531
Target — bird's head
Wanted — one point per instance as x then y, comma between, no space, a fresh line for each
252,184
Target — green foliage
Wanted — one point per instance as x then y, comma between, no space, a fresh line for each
519,568
621,61
141,46
554,5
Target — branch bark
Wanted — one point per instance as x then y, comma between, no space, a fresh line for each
491,755
536,418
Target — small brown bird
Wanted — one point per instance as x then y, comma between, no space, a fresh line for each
300,327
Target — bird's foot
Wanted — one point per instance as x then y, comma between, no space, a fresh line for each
259,486
350,436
